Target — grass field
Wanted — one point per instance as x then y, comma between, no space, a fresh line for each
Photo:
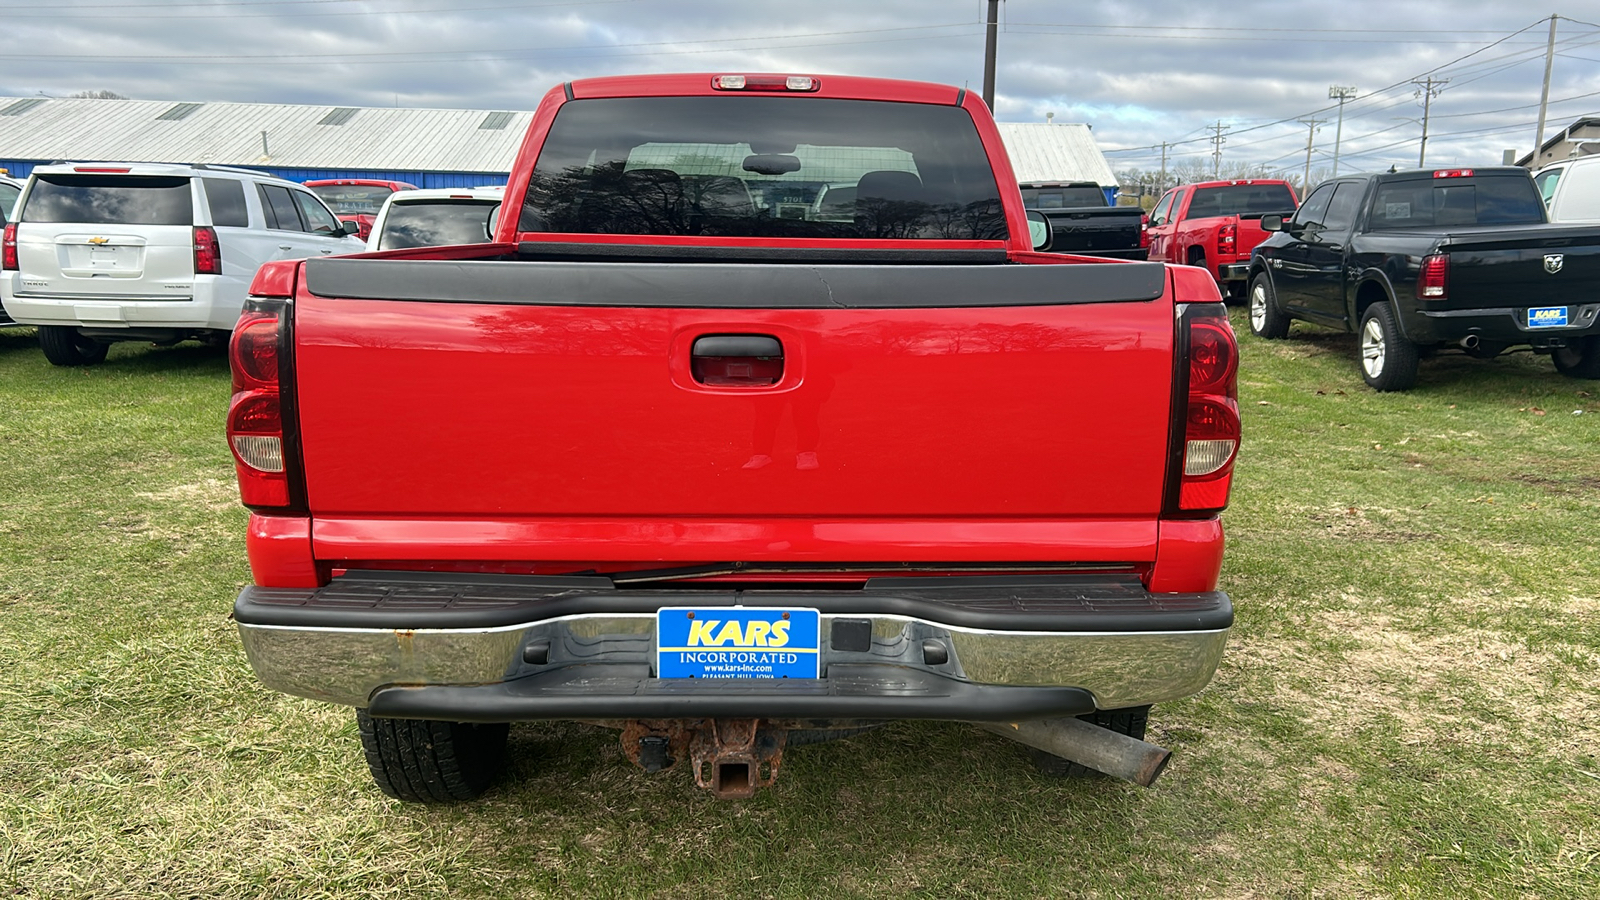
1409,706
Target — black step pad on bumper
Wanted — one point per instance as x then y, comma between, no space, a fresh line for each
628,692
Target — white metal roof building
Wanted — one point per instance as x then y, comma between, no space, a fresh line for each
1050,152
427,147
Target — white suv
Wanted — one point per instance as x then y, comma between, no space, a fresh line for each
106,252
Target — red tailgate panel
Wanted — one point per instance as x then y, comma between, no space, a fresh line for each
422,410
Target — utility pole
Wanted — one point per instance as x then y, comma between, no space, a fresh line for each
1340,94
1217,140
1311,133
988,53
1544,94
1430,89
1161,186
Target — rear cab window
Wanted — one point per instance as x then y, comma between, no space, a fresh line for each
1484,199
433,223
1248,200
756,166
1062,197
353,199
110,200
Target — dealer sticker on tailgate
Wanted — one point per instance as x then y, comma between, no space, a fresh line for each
1547,317
737,642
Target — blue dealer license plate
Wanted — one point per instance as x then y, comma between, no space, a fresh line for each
737,642
1547,317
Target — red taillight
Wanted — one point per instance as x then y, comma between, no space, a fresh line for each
1144,231
1227,239
765,83
1453,173
255,415
255,352
1211,413
9,249
207,253
1433,282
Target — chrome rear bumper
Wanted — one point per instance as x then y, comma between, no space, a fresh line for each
931,652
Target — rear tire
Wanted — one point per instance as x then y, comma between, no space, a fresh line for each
1581,361
1388,360
1266,320
423,761
1130,721
64,346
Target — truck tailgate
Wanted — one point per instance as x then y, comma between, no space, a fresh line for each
524,390
1514,267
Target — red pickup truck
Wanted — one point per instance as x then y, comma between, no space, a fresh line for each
357,200
688,454
1215,225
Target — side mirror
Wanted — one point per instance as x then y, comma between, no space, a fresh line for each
1039,230
1272,222
491,222
349,228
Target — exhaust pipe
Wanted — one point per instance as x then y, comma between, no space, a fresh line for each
1470,342
1101,749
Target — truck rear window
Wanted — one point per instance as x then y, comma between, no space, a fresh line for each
1481,200
1063,197
353,199
433,223
764,167
1249,200
110,200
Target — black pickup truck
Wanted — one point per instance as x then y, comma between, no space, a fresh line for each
1083,223
1432,259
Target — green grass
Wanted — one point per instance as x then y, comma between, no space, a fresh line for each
1409,705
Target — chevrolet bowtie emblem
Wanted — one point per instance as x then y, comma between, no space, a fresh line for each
99,240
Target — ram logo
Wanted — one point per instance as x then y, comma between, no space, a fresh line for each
1553,262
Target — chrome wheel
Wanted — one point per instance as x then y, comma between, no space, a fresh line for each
1373,349
1258,307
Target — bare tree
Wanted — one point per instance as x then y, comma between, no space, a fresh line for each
96,95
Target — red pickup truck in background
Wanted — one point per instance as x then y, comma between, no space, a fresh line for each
691,455
357,200
1215,225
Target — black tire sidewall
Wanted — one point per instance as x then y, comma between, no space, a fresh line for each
1274,324
1400,357
64,346
1587,364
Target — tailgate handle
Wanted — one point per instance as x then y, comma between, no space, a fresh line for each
737,360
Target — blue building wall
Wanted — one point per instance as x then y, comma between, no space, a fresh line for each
20,168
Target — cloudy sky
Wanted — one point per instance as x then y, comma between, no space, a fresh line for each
1141,73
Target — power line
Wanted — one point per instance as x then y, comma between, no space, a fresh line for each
1375,93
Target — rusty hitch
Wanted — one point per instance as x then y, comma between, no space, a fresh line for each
730,757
